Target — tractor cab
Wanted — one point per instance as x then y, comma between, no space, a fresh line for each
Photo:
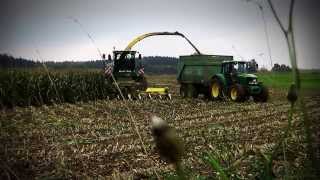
234,71
234,67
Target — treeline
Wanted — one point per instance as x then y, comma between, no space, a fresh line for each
152,64
280,68
7,61
160,65
94,64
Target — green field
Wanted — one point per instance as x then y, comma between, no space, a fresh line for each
310,80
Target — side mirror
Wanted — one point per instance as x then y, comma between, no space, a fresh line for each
103,56
140,57
109,57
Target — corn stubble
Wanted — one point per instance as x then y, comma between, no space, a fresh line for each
95,138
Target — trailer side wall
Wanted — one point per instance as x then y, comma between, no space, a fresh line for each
199,69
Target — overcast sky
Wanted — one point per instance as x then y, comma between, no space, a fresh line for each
231,27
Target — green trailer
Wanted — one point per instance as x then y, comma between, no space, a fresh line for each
217,77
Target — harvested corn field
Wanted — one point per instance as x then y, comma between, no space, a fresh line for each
97,138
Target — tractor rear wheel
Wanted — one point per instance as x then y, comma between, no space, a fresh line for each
216,89
237,93
263,96
183,90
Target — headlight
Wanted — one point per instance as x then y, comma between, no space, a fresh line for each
253,82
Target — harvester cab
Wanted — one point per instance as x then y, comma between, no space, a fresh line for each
127,70
127,62
124,60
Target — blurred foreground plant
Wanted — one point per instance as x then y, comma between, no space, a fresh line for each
294,92
168,144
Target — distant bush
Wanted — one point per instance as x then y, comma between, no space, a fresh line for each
252,66
281,68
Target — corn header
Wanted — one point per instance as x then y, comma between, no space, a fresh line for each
125,71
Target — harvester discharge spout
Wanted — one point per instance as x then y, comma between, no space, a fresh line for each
143,36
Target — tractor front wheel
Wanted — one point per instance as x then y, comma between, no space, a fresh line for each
237,93
263,96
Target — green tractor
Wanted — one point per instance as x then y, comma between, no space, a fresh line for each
237,83
218,77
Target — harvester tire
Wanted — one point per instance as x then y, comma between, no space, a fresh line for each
237,93
183,90
216,88
125,91
263,96
144,84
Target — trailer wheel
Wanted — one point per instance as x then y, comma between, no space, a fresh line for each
183,90
216,88
192,91
263,96
237,93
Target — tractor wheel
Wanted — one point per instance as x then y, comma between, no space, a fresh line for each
263,96
216,89
183,90
192,91
237,93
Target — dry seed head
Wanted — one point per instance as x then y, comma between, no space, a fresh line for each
168,144
158,123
